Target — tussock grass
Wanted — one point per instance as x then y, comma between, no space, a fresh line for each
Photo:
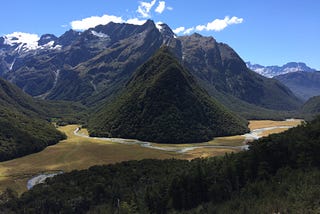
258,124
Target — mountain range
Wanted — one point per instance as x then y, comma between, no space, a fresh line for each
302,80
94,65
275,70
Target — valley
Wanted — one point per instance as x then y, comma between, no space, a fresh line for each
160,107
81,152
134,118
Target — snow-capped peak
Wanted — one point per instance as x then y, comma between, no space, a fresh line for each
27,40
272,71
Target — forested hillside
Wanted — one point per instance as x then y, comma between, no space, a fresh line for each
23,128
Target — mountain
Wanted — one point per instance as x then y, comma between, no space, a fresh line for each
23,129
222,72
92,66
272,71
163,103
303,84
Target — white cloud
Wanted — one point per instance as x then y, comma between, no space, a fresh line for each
188,31
235,20
169,8
145,7
220,24
215,25
179,30
135,21
183,30
200,27
93,21
161,7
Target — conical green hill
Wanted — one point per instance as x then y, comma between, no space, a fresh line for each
163,103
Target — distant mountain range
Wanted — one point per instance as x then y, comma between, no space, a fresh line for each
272,71
92,66
302,80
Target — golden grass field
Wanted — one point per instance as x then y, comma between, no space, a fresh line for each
258,124
80,153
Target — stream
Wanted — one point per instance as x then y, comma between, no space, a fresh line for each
40,179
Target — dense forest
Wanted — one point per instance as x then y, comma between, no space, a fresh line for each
279,173
21,135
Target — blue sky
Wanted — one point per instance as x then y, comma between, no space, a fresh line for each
266,32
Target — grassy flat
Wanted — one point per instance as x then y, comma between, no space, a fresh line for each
73,153
258,124
78,152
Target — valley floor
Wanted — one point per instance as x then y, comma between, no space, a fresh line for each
79,151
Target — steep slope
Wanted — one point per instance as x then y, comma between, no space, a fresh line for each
22,130
162,103
312,106
303,84
219,68
129,46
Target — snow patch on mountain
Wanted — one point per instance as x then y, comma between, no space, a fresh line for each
99,34
159,26
26,41
50,45
12,64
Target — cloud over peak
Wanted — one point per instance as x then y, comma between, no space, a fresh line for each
179,30
93,21
215,25
144,10
220,24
